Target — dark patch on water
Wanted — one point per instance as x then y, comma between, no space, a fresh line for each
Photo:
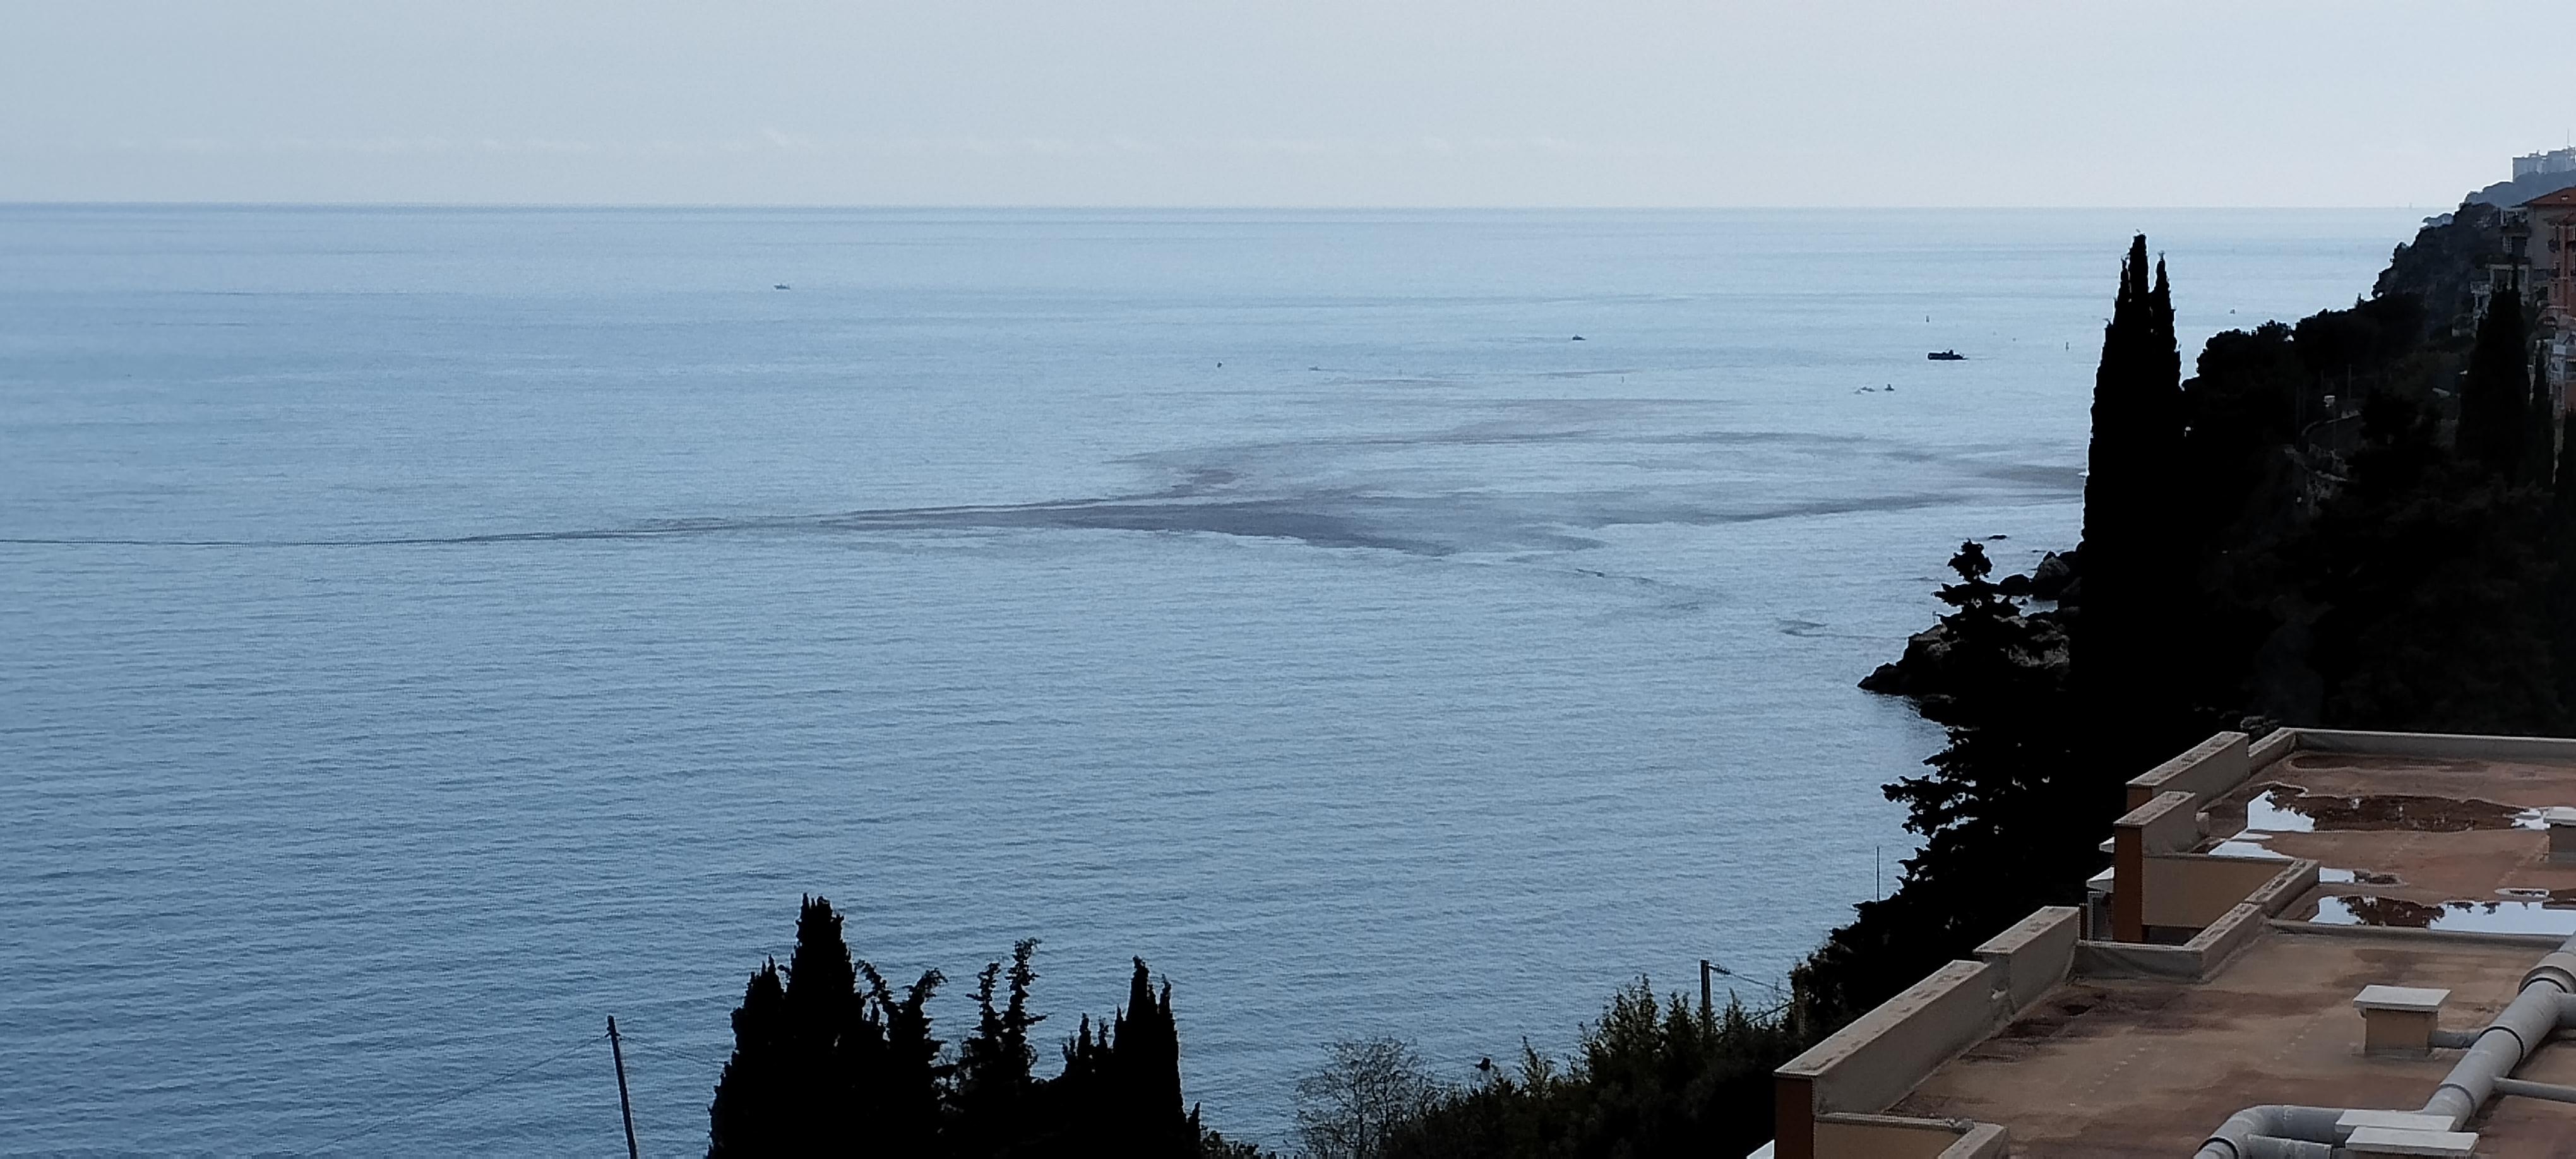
1420,526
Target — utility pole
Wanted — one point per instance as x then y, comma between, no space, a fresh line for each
1705,1006
625,1105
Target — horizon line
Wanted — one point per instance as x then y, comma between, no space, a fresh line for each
1148,207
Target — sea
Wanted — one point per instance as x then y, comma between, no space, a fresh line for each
426,633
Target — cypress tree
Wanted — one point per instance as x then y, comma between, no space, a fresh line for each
825,1065
993,1112
827,1025
1148,1069
1120,1091
751,1110
2495,394
2139,559
818,1064
904,1085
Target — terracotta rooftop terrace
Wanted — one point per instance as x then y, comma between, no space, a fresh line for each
2322,945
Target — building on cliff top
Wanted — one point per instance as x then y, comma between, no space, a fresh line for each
2550,251
2323,945
2553,161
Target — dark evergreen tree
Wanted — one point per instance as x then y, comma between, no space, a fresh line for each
1122,1085
2348,353
2140,561
2431,578
790,1089
908,1078
824,1066
753,1113
826,1025
815,1068
1147,1069
990,1106
2242,472
2242,408
1994,812
2495,394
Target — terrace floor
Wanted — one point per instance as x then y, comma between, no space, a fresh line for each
2410,841
2105,1069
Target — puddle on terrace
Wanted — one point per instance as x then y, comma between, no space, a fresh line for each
2285,808
2250,844
2565,897
2557,916
2282,808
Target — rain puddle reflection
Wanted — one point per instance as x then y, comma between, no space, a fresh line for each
2292,809
2556,917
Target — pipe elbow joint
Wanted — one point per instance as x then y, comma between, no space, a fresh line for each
2558,968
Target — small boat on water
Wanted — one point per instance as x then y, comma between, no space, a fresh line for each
1946,356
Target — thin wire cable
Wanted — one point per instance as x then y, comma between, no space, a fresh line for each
476,1089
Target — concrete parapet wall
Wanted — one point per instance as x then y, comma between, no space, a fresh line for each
2208,770
2224,937
2168,824
1890,1137
2286,887
2439,746
2192,961
1982,1141
2131,960
2194,890
2276,744
1868,1065
2035,953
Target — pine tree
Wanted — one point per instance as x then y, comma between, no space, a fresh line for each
2495,394
1993,813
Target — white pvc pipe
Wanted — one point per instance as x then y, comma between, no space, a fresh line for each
2520,1029
2546,1002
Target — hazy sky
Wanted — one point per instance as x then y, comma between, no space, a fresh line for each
1315,102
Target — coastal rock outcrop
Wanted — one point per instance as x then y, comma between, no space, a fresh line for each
1927,672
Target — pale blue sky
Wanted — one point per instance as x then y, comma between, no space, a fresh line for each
1315,102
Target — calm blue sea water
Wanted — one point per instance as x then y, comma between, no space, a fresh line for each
424,633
